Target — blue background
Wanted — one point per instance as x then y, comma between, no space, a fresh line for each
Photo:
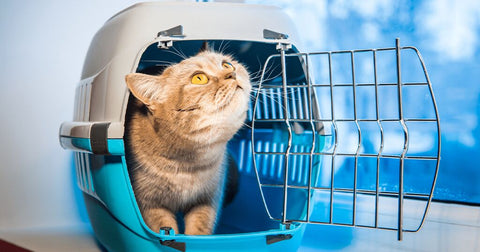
447,35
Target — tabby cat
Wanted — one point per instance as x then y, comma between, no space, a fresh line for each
176,132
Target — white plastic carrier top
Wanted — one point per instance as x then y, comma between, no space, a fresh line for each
102,95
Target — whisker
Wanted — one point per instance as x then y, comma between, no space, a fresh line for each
177,52
276,97
247,125
164,63
182,53
211,45
279,89
255,74
268,73
224,46
220,47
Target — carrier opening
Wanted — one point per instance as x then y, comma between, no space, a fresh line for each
246,212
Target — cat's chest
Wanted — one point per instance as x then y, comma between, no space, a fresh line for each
189,186
194,183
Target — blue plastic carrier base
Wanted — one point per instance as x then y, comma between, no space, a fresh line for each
243,224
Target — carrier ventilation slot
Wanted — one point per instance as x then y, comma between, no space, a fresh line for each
378,166
83,94
84,175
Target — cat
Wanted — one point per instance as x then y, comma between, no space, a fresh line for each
176,133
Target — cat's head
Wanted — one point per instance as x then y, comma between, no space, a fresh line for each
206,90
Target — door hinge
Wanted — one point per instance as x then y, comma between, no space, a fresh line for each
277,238
180,246
174,32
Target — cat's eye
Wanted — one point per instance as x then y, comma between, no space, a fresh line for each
228,65
199,79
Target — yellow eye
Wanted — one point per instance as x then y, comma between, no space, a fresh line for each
228,65
200,79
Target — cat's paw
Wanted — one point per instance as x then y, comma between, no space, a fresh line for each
159,218
199,231
200,220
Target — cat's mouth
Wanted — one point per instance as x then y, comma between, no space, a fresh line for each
238,88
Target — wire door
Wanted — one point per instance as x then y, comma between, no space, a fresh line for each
346,138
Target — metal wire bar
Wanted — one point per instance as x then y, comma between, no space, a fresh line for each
289,129
346,155
255,108
312,148
380,150
332,172
347,120
439,145
405,146
346,85
359,139
366,84
350,225
348,190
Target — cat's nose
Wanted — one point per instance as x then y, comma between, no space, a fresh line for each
231,75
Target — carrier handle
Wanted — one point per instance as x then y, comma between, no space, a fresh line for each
91,137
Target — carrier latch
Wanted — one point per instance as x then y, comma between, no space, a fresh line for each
174,32
281,46
277,238
181,246
269,34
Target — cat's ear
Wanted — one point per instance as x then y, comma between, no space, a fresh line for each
146,88
204,47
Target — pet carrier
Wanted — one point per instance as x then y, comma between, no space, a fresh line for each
297,151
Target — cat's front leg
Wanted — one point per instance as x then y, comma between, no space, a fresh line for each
200,220
157,218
